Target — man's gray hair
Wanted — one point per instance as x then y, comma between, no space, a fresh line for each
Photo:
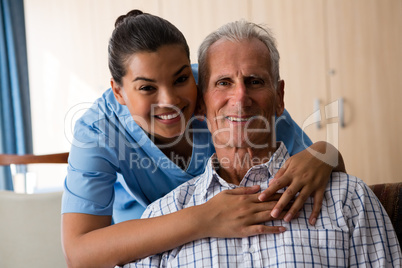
235,32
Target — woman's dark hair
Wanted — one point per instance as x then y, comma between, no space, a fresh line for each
139,32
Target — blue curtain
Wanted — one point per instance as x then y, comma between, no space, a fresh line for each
15,118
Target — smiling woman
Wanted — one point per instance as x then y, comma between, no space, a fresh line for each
159,90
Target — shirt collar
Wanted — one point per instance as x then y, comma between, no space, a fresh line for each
272,166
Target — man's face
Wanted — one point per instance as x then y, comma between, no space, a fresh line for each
240,98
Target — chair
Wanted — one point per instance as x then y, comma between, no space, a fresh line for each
390,196
8,159
30,233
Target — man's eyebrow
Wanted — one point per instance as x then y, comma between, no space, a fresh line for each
256,76
222,76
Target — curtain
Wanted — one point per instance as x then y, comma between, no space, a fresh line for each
15,118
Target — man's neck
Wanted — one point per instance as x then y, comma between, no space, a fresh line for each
235,162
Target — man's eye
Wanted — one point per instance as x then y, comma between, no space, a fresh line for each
256,82
222,83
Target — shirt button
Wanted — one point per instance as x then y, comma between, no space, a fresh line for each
251,250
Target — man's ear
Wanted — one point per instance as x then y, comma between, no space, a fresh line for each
118,92
280,93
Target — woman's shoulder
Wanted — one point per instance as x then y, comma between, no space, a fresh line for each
104,108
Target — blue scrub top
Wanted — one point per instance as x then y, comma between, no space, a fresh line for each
115,169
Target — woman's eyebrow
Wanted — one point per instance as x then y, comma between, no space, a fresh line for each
181,69
153,80
144,79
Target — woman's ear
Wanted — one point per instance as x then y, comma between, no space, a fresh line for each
280,93
118,92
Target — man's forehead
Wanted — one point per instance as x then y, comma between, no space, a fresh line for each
246,67
245,57
241,70
246,46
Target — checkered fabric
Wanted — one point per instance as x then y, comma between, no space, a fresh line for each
353,229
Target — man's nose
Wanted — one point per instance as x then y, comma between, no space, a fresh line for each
241,94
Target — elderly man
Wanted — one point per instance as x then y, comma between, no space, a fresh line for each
242,92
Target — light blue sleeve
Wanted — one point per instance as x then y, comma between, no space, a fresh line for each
287,130
88,187
291,134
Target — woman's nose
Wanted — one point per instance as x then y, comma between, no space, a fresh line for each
168,97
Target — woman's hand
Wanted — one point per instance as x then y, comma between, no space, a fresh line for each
306,173
239,213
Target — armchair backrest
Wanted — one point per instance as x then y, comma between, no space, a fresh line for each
30,224
8,159
390,196
30,231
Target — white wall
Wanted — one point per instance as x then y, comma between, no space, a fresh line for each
67,56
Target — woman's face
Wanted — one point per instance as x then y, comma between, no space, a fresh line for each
159,90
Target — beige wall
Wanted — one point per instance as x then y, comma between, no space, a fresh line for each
67,53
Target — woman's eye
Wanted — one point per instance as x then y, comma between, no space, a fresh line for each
181,79
147,88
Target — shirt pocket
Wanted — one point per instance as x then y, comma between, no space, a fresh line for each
326,247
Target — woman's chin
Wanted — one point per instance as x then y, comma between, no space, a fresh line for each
166,138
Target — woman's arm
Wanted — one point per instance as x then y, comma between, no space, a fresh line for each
306,173
90,241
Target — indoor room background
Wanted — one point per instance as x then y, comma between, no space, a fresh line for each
341,61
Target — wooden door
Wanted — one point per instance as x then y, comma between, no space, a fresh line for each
365,56
300,32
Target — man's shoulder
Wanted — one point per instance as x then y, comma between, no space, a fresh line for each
341,179
346,185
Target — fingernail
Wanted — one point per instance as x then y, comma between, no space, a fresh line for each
261,197
288,217
256,187
275,213
282,229
313,221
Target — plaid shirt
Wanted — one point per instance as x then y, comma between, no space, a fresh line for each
353,229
